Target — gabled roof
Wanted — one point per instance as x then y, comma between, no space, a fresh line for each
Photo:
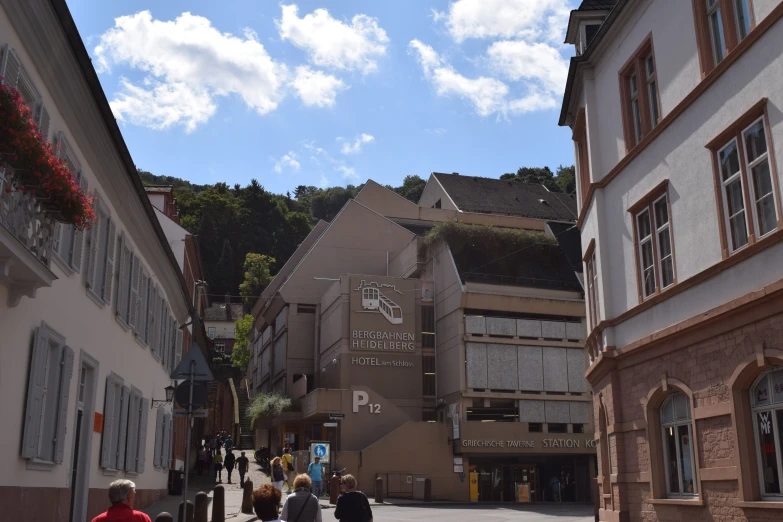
506,197
163,189
596,5
217,312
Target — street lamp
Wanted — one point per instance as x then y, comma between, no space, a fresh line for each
169,397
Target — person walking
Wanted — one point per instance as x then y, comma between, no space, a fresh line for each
229,463
266,502
352,505
315,470
277,474
288,467
301,505
201,457
122,494
242,465
208,462
554,483
218,462
229,444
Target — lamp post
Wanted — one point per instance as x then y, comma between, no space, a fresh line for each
157,403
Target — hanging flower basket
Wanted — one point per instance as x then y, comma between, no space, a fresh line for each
35,165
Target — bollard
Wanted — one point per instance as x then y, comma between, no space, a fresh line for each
219,504
164,517
188,517
247,497
379,490
202,505
427,490
334,489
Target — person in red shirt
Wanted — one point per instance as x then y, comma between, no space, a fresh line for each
122,493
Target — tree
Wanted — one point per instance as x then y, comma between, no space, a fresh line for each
240,355
257,276
566,179
224,273
563,182
411,189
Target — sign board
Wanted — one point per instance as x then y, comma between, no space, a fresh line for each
200,368
336,416
320,448
458,461
459,469
179,412
182,394
97,424
330,424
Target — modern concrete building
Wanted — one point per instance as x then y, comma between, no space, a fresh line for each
416,341
89,320
676,115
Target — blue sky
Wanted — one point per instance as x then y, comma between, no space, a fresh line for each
330,93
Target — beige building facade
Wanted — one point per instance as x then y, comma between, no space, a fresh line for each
411,363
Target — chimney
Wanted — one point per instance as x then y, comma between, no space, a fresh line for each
228,307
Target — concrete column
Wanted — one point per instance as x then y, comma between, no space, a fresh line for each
200,514
247,500
379,490
219,504
164,517
188,512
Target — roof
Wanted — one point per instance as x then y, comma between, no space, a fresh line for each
217,312
569,239
511,198
596,5
165,189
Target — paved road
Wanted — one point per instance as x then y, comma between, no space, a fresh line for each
469,513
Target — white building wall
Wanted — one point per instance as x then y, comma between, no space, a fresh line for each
175,234
86,326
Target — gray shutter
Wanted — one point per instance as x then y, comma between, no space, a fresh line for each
77,245
135,284
158,438
35,387
62,405
108,423
150,316
42,119
57,237
142,452
108,274
123,281
173,344
166,450
171,441
94,248
11,67
143,317
178,347
162,333
123,428
132,441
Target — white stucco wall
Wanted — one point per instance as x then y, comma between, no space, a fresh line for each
175,234
679,155
86,326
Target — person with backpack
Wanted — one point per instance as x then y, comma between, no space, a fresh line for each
352,505
228,462
277,474
218,461
301,505
315,470
288,467
229,444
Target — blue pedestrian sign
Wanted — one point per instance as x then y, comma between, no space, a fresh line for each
319,450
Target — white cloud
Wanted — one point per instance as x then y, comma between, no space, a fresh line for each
356,146
190,59
287,161
349,173
332,43
438,131
324,181
507,19
538,62
316,88
437,16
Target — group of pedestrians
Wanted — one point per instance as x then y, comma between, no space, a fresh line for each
210,458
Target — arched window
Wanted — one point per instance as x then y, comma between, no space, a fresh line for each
766,397
677,440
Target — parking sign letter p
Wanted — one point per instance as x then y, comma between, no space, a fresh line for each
360,398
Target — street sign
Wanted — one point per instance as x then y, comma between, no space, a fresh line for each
200,370
320,449
336,416
330,424
179,412
182,394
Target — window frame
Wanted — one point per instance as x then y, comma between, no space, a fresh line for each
754,410
676,423
591,285
736,132
730,25
579,137
636,66
647,204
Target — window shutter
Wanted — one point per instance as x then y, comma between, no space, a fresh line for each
11,68
62,405
77,245
173,344
152,338
162,330
58,230
35,387
42,119
108,274
108,423
158,439
123,281
178,348
142,452
132,441
94,248
166,451
135,284
171,441
122,423
143,316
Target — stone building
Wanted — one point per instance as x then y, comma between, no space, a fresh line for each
676,112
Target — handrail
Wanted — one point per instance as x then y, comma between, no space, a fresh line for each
236,400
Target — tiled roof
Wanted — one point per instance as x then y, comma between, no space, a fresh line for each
597,5
159,188
511,198
217,312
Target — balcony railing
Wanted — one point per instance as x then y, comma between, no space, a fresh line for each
27,227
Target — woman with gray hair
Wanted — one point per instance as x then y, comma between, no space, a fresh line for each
122,494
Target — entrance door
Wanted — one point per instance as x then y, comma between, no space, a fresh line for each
82,441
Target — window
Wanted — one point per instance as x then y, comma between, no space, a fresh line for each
428,367
579,428
654,253
115,423
592,286
720,26
582,155
211,332
555,427
49,384
534,427
639,88
68,240
428,327
429,416
136,442
100,267
493,410
14,75
746,178
220,347
437,204
164,427
766,398
305,309
677,437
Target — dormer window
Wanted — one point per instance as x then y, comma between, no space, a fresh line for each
587,32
